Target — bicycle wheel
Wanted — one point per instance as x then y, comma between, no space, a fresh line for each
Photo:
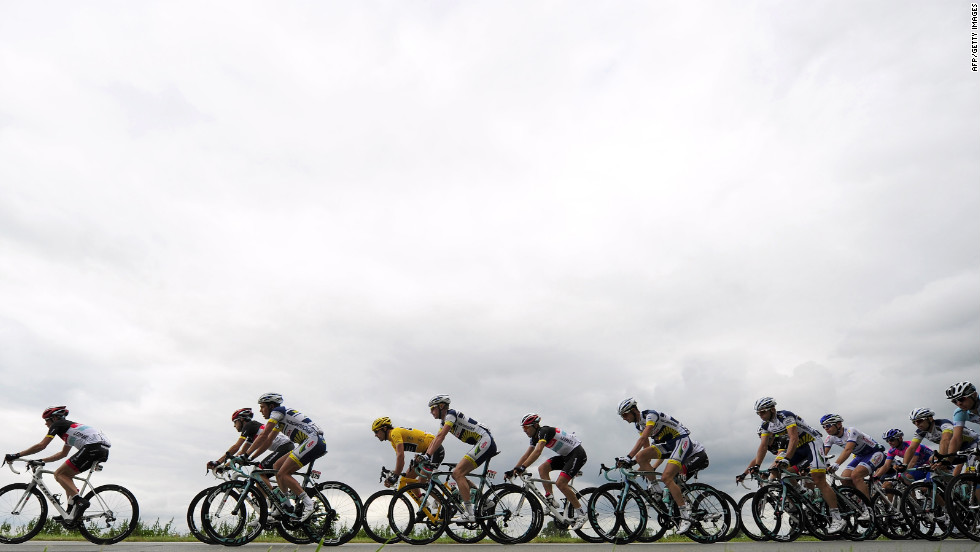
777,516
111,515
586,532
963,504
924,514
852,504
417,524
234,513
746,521
817,517
374,521
194,516
513,515
22,513
617,514
340,518
710,516
888,516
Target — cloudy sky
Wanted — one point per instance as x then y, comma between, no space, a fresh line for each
544,206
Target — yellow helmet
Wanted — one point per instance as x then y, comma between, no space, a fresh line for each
380,423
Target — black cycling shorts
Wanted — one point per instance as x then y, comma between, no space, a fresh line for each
89,455
571,463
269,461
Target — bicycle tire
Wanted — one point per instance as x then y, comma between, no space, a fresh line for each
234,513
615,523
111,516
194,516
29,520
374,520
851,503
710,515
309,530
777,517
513,515
468,533
746,521
921,512
963,504
817,520
586,532
887,506
341,519
417,524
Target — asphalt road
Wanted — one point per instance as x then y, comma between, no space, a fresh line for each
949,545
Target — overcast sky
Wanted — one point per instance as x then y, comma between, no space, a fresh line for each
545,206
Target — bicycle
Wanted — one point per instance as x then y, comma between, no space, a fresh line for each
238,510
745,520
924,507
886,505
420,513
618,510
110,516
529,496
194,511
375,520
784,508
963,495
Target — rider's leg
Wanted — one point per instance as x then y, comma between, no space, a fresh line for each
465,466
63,475
564,485
544,471
670,472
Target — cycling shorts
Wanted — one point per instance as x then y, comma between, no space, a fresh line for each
483,450
695,463
88,455
809,455
308,450
677,451
571,463
871,461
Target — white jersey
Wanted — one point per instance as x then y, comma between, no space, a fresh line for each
77,435
555,439
294,424
863,443
464,428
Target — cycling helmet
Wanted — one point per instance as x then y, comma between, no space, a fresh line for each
626,406
892,434
921,414
55,412
960,390
828,419
765,403
242,414
530,419
380,423
439,399
274,398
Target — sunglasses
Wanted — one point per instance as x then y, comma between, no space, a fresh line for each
959,400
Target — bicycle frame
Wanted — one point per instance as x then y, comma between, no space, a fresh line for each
38,483
529,484
455,498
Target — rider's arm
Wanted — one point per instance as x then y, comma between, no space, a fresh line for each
641,443
531,455
945,441
793,432
911,453
844,454
58,455
760,454
264,439
884,468
399,458
38,447
524,457
437,442
956,440
233,450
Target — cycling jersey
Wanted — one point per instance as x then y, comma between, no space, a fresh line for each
962,416
412,440
940,426
863,443
775,444
294,424
897,454
557,440
464,428
671,439
783,420
77,435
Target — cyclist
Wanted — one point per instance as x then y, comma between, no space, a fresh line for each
469,431
663,437
939,431
801,451
404,439
308,445
569,458
248,430
964,396
895,456
868,454
92,445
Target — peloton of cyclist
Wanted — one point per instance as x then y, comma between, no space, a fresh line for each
964,396
662,437
405,439
801,451
569,458
939,431
92,447
469,431
308,445
868,454
895,457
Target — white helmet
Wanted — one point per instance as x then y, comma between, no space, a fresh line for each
765,403
960,390
270,398
921,414
626,406
438,399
